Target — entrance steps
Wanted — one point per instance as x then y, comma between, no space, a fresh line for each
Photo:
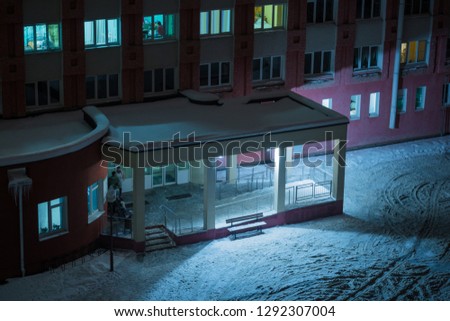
157,238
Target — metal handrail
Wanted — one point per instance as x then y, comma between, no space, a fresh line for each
167,210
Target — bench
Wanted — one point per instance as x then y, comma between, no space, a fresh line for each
245,223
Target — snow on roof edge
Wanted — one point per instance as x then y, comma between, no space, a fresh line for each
92,116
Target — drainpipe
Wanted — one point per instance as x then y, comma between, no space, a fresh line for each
18,183
396,75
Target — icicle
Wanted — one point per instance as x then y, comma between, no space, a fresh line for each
18,180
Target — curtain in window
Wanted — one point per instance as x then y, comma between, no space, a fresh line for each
100,32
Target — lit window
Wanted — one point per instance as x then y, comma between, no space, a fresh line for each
42,93
319,11
158,27
446,95
401,100
318,62
215,74
365,58
417,7
355,107
413,52
41,37
367,9
267,68
102,87
327,102
270,16
215,22
93,198
101,33
159,80
374,104
52,217
420,98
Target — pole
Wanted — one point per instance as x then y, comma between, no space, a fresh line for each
111,256
22,251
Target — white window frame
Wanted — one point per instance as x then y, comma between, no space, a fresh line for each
403,95
324,16
98,187
406,48
165,90
328,103
355,102
446,95
263,27
36,94
421,105
360,15
54,232
220,74
34,49
108,95
369,62
152,38
207,16
374,104
261,59
94,36
322,62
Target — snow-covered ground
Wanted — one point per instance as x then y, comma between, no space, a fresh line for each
392,244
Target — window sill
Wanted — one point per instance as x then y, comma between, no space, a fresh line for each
374,115
420,109
261,84
40,52
158,41
217,89
94,216
52,236
216,36
102,47
319,78
308,24
362,73
354,118
261,31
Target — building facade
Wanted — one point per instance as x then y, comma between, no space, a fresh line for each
383,64
65,54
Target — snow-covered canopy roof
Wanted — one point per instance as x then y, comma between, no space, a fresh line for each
209,119
46,136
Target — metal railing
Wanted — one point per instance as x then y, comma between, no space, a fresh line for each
301,192
174,222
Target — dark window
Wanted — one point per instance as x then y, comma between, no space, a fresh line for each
317,62
204,75
356,58
367,9
266,68
327,61
365,58
319,11
170,79
54,91
374,56
101,87
30,95
308,62
42,93
90,87
310,12
215,74
376,8
113,85
148,81
225,77
159,81
276,67
359,5
256,69
329,11
417,7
